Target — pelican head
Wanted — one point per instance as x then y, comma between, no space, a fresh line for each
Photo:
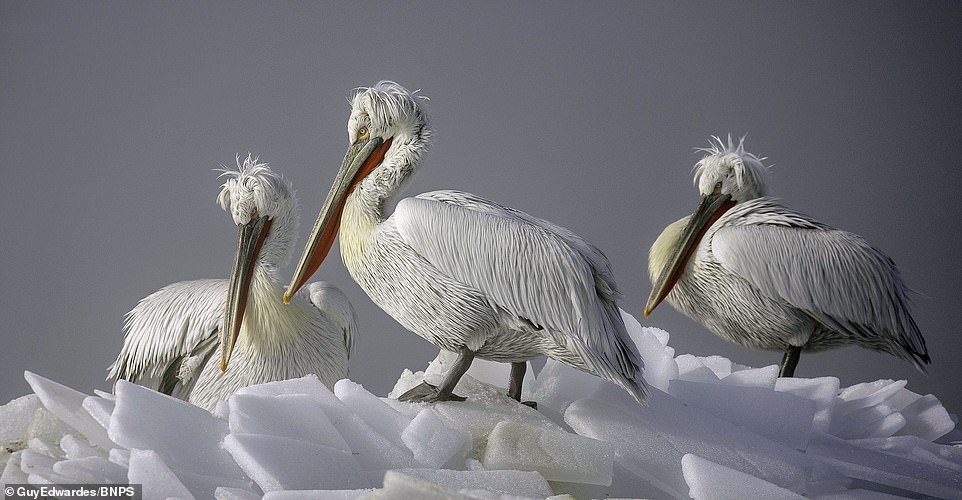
730,170
727,175
261,204
387,134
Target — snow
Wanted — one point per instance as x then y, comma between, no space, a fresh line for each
711,429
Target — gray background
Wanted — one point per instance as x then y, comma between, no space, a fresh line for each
113,115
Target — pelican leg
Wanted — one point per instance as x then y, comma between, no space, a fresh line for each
789,361
515,381
427,393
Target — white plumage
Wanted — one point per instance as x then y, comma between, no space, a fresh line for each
171,336
759,274
467,274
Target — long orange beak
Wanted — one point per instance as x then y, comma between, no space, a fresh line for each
249,245
361,158
711,208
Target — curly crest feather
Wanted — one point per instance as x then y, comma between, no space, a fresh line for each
742,174
253,186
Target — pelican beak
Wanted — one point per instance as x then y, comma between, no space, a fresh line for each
711,208
361,158
249,245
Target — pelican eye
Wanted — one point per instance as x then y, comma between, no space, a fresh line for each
718,186
254,213
362,133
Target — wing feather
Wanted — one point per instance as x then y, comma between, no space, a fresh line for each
169,328
529,267
337,308
835,276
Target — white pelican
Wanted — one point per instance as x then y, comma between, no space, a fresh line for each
469,275
766,277
172,334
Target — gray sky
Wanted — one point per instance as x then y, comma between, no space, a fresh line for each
113,115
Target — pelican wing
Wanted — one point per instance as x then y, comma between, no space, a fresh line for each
169,335
542,273
834,276
335,306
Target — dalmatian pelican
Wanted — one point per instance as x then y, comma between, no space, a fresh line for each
171,335
467,274
764,276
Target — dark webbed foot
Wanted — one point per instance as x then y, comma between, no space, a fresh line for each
533,404
427,393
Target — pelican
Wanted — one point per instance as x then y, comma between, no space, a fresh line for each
766,277
171,335
469,275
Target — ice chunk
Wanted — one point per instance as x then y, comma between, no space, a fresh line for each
372,450
558,384
148,468
67,405
779,416
39,468
31,459
692,368
222,410
859,494
821,390
309,385
926,418
719,365
824,479
120,457
376,413
432,443
276,463
100,409
652,344
400,486
709,480
295,416
15,417
225,493
517,483
46,427
874,421
12,474
885,468
868,394
179,432
477,417
902,398
45,447
77,448
558,456
624,484
93,469
913,447
754,377
650,441
317,494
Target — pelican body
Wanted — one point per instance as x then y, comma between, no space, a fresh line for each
764,276
172,335
468,275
